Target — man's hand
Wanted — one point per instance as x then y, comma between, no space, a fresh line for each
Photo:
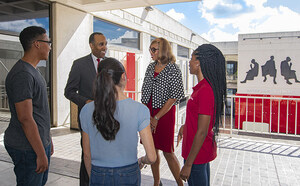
52,148
180,134
41,164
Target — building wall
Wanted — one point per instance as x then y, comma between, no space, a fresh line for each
227,48
71,29
230,52
260,47
150,22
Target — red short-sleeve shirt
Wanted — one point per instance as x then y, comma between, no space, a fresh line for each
201,102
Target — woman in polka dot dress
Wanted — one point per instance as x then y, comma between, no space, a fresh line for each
162,90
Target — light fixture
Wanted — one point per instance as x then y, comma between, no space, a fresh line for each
192,35
148,8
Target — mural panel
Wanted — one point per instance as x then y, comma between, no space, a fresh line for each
269,64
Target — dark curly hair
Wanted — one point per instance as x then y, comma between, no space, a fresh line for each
29,34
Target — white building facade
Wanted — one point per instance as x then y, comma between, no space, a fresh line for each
128,31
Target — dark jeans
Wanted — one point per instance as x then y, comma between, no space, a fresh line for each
25,166
200,175
117,176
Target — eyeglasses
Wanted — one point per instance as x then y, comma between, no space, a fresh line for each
153,50
49,42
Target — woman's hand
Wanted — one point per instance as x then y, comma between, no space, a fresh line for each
180,135
153,123
141,164
185,172
167,106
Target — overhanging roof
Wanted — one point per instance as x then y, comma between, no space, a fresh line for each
101,5
11,10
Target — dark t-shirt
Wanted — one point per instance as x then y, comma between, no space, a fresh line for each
25,82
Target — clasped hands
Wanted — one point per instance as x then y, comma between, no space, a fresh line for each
153,124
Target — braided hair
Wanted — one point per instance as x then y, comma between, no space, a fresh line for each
212,63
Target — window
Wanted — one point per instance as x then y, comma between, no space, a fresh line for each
152,38
184,71
36,13
117,35
230,91
231,69
14,27
182,51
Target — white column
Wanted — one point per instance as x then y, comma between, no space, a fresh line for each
71,31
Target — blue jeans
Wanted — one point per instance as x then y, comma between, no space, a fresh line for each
117,176
25,166
200,175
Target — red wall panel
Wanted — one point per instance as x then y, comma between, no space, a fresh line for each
130,72
280,114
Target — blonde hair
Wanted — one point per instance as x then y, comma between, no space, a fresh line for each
165,54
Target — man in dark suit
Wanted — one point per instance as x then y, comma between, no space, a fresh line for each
79,88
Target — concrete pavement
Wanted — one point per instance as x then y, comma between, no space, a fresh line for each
241,160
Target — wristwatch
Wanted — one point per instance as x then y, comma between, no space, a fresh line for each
156,118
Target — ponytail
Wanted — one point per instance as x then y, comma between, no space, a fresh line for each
105,95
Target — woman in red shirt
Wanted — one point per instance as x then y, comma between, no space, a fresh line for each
203,114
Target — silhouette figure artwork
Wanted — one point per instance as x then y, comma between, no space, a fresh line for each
269,69
287,72
253,72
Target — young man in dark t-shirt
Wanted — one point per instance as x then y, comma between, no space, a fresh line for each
27,138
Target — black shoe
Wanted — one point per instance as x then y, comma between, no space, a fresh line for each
274,82
265,79
297,81
288,82
243,81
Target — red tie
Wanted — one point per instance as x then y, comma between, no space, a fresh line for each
98,59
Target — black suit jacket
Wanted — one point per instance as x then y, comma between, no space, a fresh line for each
79,87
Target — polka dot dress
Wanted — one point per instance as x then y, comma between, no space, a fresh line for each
157,89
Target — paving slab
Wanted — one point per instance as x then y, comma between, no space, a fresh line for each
241,160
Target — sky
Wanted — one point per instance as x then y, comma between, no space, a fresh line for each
223,20
19,25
